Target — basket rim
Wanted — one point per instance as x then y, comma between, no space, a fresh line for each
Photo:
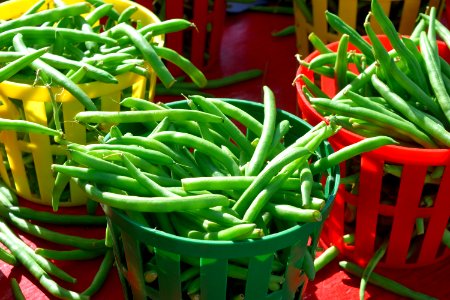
223,249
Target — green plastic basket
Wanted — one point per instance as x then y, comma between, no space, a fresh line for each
132,242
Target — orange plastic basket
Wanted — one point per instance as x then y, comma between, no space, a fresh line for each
371,210
201,45
28,158
353,13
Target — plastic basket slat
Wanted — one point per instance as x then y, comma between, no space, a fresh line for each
259,272
408,200
134,267
168,266
213,277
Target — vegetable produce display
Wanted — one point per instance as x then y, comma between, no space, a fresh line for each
391,85
85,52
206,170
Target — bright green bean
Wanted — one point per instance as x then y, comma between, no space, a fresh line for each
56,76
101,275
48,15
153,204
147,50
384,282
261,151
173,115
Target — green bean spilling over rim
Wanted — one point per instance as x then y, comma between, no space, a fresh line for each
402,93
206,170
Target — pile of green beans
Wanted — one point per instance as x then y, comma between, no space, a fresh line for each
402,93
71,45
90,41
208,170
38,261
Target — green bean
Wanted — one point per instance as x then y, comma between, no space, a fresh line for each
265,176
236,232
417,117
91,71
56,237
59,185
98,12
306,184
341,65
354,37
15,245
56,76
315,90
224,81
53,288
241,116
49,33
101,275
389,29
49,15
435,76
76,254
369,269
369,103
173,115
184,64
152,187
318,44
441,29
308,265
34,8
446,238
382,56
147,50
51,218
126,14
90,161
288,30
228,126
124,183
151,156
112,14
292,213
229,183
261,151
405,128
149,143
17,292
209,148
384,282
335,158
7,257
7,196
28,127
12,68
153,204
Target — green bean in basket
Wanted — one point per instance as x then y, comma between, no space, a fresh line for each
220,200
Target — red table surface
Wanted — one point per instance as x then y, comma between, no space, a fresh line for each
247,43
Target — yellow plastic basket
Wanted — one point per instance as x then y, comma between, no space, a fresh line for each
28,158
352,12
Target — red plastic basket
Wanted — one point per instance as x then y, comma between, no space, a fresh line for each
370,209
201,45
